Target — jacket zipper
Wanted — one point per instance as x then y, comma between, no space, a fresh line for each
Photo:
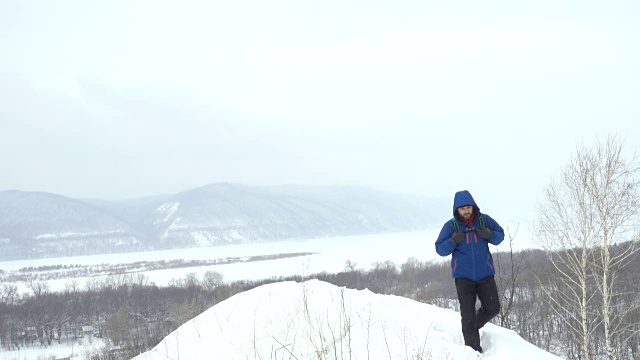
473,255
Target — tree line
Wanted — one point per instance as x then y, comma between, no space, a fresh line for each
132,315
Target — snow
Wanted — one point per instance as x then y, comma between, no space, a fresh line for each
167,210
78,351
317,320
69,234
201,239
394,315
329,255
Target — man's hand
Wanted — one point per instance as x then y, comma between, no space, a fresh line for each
457,237
484,233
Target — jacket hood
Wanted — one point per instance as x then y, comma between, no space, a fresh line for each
464,198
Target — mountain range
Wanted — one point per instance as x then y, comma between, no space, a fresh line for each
37,224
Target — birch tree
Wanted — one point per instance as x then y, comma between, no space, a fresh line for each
589,209
565,231
612,187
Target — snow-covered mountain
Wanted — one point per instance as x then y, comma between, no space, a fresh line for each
230,213
36,224
46,225
317,320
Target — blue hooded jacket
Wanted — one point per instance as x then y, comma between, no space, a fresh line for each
471,258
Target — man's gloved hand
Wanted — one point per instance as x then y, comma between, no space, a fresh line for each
457,237
484,233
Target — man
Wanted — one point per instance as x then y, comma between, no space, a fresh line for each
466,238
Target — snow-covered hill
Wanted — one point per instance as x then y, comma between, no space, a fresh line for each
231,213
317,320
34,224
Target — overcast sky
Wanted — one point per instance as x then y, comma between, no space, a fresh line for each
122,99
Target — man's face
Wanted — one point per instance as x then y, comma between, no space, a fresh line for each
465,211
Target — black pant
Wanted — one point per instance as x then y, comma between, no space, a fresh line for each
487,292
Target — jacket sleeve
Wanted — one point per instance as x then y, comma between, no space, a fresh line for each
498,232
444,243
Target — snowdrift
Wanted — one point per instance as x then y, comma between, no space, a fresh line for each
317,320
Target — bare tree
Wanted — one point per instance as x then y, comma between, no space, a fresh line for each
138,279
612,186
71,287
9,293
593,206
118,327
211,280
508,281
39,287
350,265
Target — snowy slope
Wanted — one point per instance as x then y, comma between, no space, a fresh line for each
317,320
40,225
223,213
37,224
